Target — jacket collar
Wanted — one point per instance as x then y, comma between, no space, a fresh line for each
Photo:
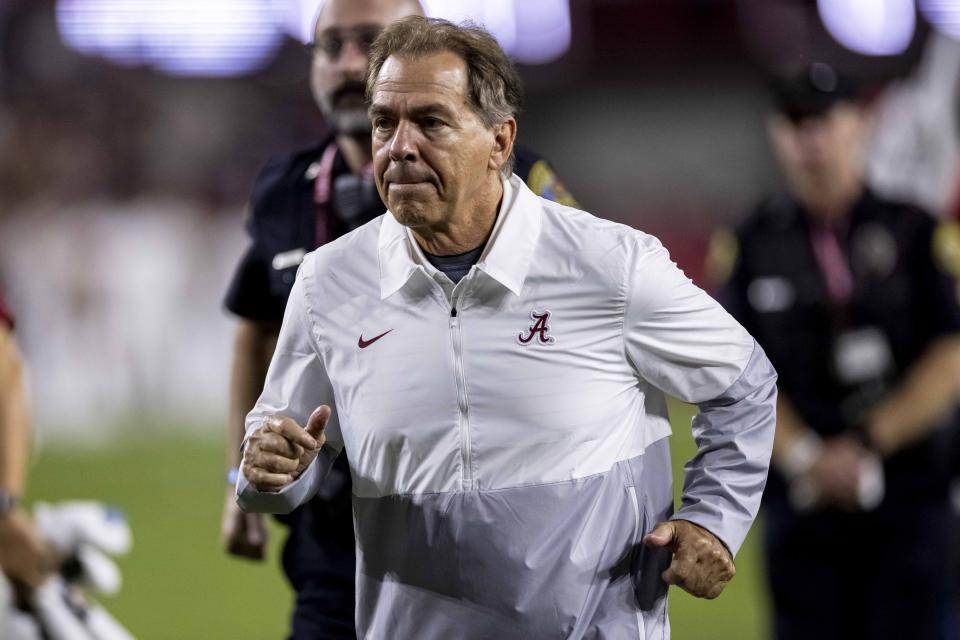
506,259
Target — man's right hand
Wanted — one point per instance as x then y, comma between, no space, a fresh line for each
243,534
25,557
279,450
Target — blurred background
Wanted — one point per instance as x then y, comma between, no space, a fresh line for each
130,133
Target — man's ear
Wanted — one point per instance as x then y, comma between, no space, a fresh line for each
504,135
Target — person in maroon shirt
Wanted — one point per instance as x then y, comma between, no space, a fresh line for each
25,558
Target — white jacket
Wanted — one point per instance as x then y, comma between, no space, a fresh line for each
507,435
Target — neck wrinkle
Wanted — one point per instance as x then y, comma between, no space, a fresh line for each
461,237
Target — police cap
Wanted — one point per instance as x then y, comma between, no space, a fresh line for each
812,91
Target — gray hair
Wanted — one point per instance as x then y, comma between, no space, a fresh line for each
494,92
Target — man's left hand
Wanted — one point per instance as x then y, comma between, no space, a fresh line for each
702,566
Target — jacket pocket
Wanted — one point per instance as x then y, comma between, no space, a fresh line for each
648,563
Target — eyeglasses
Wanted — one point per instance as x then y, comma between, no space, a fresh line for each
331,43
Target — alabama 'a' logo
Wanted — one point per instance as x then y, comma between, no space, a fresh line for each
539,329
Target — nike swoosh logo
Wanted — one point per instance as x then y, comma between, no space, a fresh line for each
363,344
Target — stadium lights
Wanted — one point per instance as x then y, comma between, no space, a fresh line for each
531,31
233,37
944,15
298,17
871,27
497,16
180,37
543,30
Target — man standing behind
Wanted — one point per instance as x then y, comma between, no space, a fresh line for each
850,295
298,203
494,365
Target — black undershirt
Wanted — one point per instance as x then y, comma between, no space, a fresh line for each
456,266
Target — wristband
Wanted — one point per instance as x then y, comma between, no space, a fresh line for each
8,502
232,476
801,455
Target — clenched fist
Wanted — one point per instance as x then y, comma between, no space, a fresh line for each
243,535
279,450
701,565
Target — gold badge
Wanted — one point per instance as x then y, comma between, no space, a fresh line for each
544,182
946,247
874,250
722,256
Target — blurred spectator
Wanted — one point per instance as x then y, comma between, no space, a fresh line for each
848,294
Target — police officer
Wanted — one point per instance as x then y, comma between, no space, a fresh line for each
298,203
853,299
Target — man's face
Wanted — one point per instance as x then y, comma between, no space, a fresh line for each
344,32
432,156
816,151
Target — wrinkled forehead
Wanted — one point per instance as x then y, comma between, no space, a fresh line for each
351,15
440,76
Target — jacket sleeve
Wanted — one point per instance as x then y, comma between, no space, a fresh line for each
681,341
296,384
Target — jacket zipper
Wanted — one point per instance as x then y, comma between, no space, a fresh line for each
463,416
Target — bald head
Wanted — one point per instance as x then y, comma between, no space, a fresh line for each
343,33
342,12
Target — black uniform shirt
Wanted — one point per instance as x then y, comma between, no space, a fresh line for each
836,359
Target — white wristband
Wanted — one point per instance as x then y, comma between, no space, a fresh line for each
801,456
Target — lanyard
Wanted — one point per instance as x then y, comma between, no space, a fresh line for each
322,190
323,196
833,263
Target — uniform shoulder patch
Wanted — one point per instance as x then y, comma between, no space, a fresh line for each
946,247
545,183
722,254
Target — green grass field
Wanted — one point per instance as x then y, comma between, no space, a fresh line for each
179,585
